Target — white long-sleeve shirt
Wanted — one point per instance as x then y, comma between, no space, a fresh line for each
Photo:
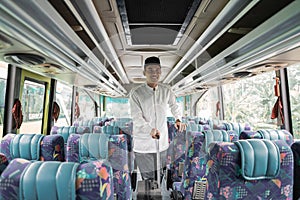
149,110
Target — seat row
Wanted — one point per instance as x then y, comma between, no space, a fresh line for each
243,169
85,148
51,180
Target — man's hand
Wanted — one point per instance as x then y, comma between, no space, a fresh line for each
155,134
180,126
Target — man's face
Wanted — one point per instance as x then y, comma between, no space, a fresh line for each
152,73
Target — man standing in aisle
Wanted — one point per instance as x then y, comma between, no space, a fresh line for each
149,103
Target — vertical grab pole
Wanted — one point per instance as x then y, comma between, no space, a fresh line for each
157,145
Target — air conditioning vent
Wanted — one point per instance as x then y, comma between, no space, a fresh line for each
241,74
24,59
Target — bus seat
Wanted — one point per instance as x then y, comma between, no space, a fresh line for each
296,152
87,147
27,146
238,127
5,145
97,129
111,130
9,185
196,158
175,158
52,148
83,129
3,162
233,135
250,135
57,180
230,173
66,131
127,132
72,148
194,165
214,136
273,134
171,130
54,130
33,147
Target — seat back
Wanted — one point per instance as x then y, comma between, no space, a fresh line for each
52,148
9,185
66,131
48,180
3,162
83,129
214,136
252,169
273,134
111,130
93,147
5,145
194,164
26,146
97,129
250,135
89,147
57,180
33,147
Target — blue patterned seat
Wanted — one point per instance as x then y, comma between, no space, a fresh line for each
87,147
33,147
56,180
273,134
230,173
66,131
194,165
180,147
270,134
97,129
196,159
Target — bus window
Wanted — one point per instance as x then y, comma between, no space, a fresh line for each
294,87
86,106
3,77
33,98
251,100
64,100
117,107
206,106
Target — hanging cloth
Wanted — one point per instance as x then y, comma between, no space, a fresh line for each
277,112
56,111
17,114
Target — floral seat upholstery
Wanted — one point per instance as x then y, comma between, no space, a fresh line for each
197,144
113,148
230,175
177,166
56,180
33,147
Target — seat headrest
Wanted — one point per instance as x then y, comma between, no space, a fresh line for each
93,147
26,146
260,159
49,180
273,134
83,129
65,131
215,136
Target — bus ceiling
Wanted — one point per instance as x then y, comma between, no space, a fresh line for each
101,45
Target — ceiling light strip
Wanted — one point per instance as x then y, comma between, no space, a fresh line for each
93,16
286,37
